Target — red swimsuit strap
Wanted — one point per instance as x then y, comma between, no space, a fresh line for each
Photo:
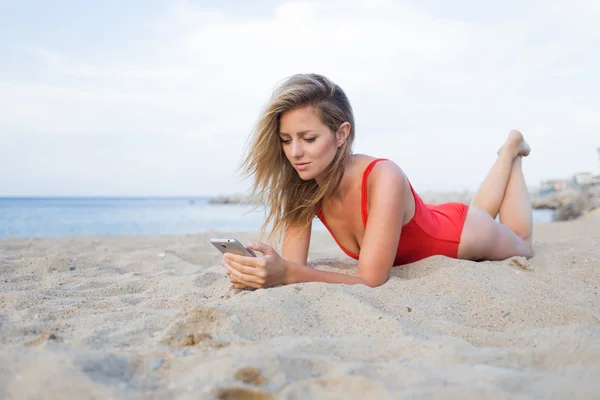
363,199
363,207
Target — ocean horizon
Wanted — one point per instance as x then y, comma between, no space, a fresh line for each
49,216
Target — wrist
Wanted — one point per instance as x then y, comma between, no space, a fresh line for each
289,275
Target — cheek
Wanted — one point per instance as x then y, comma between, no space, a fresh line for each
326,150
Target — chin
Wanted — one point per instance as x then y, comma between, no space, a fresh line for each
305,176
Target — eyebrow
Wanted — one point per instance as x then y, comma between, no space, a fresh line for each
301,133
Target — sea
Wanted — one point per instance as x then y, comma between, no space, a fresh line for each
79,216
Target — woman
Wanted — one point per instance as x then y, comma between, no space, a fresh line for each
301,158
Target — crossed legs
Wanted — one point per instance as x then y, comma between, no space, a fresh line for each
502,192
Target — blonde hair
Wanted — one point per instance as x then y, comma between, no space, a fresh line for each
289,200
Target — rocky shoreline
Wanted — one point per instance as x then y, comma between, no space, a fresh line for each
234,199
570,203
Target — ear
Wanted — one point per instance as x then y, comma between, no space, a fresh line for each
342,134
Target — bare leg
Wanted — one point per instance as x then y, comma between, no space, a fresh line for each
490,195
515,211
503,191
483,238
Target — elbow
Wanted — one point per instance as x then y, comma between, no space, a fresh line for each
373,283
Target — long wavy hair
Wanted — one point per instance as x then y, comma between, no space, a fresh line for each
288,199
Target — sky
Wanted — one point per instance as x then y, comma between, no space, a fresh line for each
158,98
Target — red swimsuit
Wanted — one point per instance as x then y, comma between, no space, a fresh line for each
433,230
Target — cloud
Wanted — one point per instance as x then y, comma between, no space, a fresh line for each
427,88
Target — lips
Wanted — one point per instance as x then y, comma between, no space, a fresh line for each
301,166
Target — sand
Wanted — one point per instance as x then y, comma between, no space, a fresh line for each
155,317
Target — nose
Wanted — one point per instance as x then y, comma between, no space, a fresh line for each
296,149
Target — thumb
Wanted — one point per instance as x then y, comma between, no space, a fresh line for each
259,246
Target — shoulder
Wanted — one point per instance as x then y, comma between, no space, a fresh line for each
358,163
385,178
383,172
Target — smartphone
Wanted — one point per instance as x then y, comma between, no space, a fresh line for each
231,245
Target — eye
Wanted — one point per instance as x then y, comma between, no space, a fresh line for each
310,140
285,141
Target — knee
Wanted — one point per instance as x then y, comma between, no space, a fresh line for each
523,246
527,248
526,245
500,243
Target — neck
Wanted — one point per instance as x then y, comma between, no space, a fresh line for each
342,188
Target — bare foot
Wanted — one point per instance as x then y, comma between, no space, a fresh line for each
515,144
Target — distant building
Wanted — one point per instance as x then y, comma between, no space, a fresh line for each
577,181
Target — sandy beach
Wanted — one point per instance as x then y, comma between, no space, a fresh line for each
155,317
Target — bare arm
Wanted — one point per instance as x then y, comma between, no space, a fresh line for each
298,273
296,242
384,226
386,190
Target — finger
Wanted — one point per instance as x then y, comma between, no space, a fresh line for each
255,262
231,276
247,270
236,283
233,279
226,265
259,246
248,280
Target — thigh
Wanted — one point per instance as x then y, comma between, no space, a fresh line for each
483,238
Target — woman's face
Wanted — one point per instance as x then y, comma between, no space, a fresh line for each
308,144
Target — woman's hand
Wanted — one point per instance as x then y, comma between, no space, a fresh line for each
257,272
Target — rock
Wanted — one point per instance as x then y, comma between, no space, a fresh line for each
555,200
72,268
571,209
570,203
